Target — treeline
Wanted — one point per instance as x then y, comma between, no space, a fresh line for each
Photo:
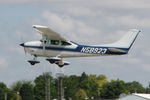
75,87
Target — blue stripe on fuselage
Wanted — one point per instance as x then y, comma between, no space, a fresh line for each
101,50
85,49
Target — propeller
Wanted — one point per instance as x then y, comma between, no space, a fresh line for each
22,44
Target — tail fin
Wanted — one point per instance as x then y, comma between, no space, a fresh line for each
128,40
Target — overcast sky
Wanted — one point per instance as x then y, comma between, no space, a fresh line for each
82,21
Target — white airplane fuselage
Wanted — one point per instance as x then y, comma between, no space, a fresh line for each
73,50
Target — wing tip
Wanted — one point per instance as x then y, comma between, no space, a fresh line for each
39,26
135,30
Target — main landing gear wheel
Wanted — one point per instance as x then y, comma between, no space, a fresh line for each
60,66
58,61
53,60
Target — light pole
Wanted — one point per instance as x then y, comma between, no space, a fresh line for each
47,84
6,96
60,86
18,95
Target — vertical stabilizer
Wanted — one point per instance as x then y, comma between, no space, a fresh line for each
127,40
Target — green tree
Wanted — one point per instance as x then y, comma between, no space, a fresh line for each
113,89
80,94
14,96
3,90
12,93
134,86
26,91
92,86
83,80
101,80
71,86
147,90
39,89
16,86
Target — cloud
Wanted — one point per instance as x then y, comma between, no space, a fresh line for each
64,22
3,62
120,4
131,60
146,67
81,11
74,29
146,52
130,21
18,1
131,4
30,1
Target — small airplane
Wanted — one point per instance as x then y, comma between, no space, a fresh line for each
55,47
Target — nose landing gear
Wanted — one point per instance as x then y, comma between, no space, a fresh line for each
34,61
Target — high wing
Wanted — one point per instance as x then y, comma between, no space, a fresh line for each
48,33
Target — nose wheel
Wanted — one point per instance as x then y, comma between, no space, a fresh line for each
32,62
60,66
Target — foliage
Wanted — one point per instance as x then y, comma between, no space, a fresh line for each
147,90
79,87
92,89
135,87
26,91
16,86
101,80
80,94
71,86
113,89
3,90
39,88
14,96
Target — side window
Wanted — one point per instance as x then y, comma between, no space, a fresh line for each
65,43
55,42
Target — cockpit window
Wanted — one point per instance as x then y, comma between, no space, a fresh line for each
45,41
65,43
55,42
41,40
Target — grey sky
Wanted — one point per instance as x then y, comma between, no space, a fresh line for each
83,21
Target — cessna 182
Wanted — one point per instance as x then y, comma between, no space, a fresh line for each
55,47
